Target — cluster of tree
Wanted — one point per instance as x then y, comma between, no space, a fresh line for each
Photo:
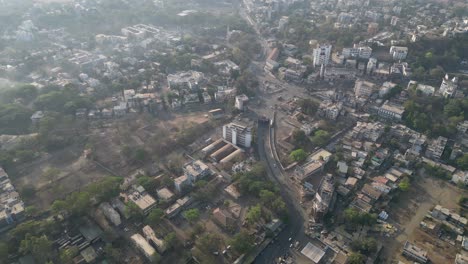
133,154
192,215
64,100
405,184
26,150
462,162
298,155
356,218
434,116
15,119
246,83
432,56
245,48
437,172
364,246
320,138
77,203
242,242
308,106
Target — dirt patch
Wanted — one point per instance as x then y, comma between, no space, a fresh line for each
409,210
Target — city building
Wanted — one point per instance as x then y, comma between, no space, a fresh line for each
110,213
324,197
322,54
398,53
329,110
415,253
390,111
143,246
363,89
223,218
154,241
196,170
139,196
240,102
448,87
181,183
314,253
12,208
436,148
357,51
165,194
238,134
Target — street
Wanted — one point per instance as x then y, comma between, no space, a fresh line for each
295,227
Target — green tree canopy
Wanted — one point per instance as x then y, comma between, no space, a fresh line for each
254,214
298,155
242,242
192,215
155,216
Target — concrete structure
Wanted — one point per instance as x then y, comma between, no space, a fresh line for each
398,53
240,102
154,241
324,198
237,134
11,206
110,213
223,218
363,89
139,196
436,148
143,246
165,194
314,253
361,52
448,87
196,171
322,54
414,253
329,110
181,183
390,111
461,259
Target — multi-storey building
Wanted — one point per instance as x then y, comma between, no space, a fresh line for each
238,134
322,54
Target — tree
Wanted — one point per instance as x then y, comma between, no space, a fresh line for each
66,255
320,137
308,106
254,214
14,119
134,212
171,240
299,138
356,258
51,174
4,252
209,242
298,155
39,247
267,196
462,162
242,242
404,185
364,246
155,216
192,215
112,253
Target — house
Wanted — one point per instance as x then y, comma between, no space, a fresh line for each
110,213
368,190
37,117
436,148
153,239
342,168
223,218
313,252
351,182
240,102
89,254
196,171
461,259
391,111
143,246
415,253
143,200
165,194
181,183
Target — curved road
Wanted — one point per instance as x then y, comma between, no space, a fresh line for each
295,226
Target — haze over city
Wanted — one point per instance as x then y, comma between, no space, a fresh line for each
233,131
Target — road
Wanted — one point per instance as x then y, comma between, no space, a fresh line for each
295,227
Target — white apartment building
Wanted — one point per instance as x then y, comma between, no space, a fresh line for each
398,53
322,54
237,134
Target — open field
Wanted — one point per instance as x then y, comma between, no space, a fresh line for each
409,211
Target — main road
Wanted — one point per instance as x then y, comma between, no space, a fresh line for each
294,228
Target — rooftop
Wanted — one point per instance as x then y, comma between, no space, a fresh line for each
313,252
